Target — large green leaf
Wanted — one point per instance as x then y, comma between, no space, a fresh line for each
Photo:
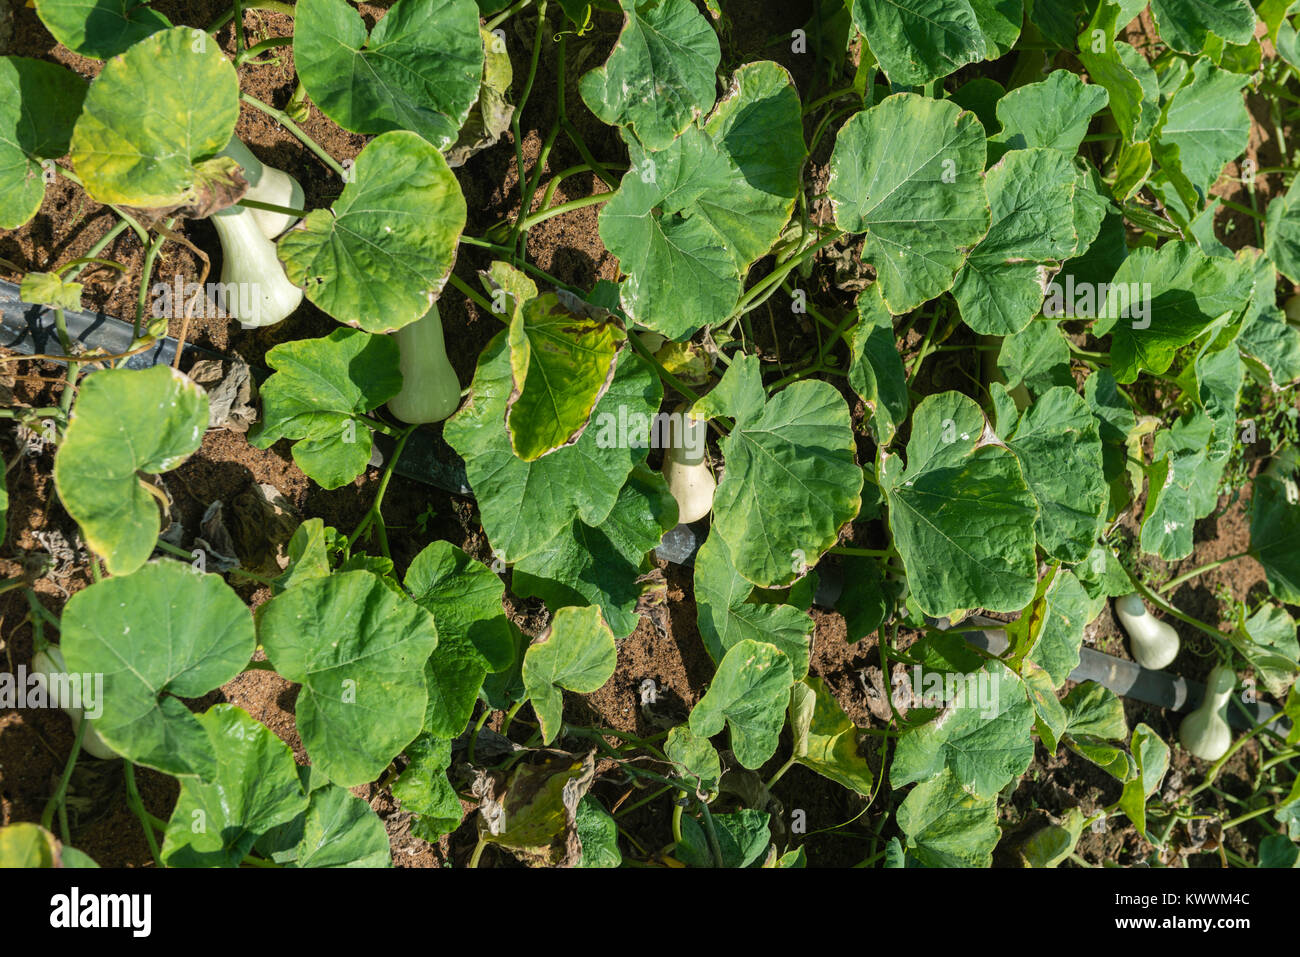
380,256
358,648
154,119
158,635
599,835
825,739
417,70
791,482
1059,448
922,208
1275,534
660,74
39,103
1038,357
981,737
1182,487
320,390
1125,73
603,565
1063,615
577,654
1270,347
749,695
947,826
1054,113
125,422
561,363
961,514
1031,194
916,41
100,28
524,505
256,788
1207,121
1282,232
1185,25
726,616
1269,641
742,838
1187,292
688,222
337,829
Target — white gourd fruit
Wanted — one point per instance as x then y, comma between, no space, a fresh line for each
1154,643
257,292
430,389
1205,732
50,662
689,478
266,184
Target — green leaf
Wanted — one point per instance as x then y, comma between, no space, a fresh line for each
1152,757
660,74
1186,24
603,565
1064,615
154,118
27,845
982,737
1096,711
423,789
1277,850
256,788
947,826
877,373
922,208
1282,232
1275,534
1208,122
598,834
1183,486
100,28
1268,641
1059,448
825,740
125,422
688,222
379,257
524,505
158,635
1051,845
743,836
749,695
1188,291
1053,113
39,103
916,41
999,22
1128,78
1049,716
1270,347
358,648
697,759
791,482
417,70
1031,194
47,289
961,514
320,389
726,616
338,829
578,654
1038,357
561,363
464,597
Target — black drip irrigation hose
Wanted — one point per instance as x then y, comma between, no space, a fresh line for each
29,330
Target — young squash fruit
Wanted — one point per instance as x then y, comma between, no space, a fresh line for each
48,663
430,389
1154,643
689,478
1205,732
257,291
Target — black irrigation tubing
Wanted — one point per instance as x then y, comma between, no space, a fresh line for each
29,329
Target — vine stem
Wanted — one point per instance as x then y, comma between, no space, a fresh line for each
56,801
272,207
374,514
468,291
866,552
542,215
284,120
1217,766
1208,566
506,14
137,805
478,851
1169,609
